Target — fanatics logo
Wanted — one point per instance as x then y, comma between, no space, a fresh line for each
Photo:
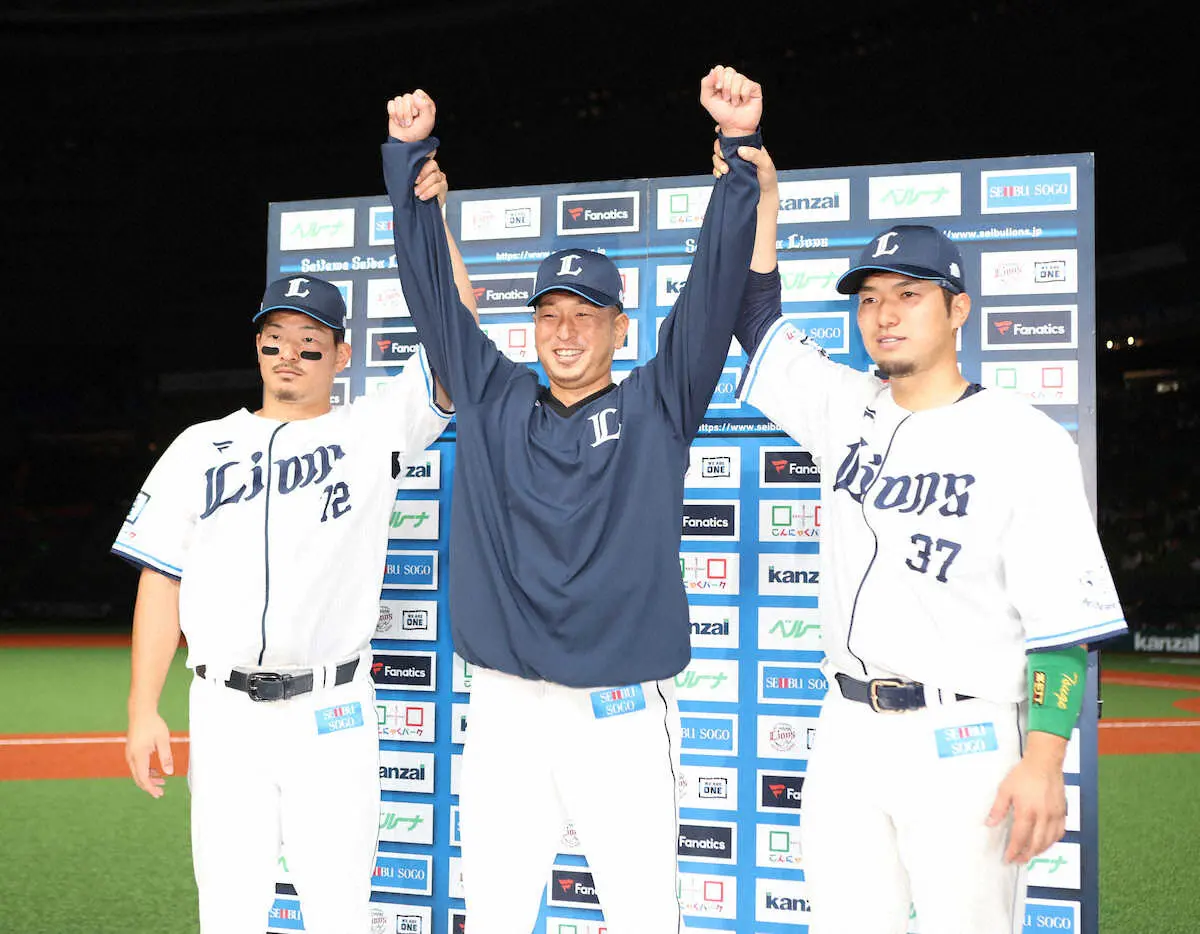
571,888
1040,327
603,212
391,346
787,467
414,671
780,791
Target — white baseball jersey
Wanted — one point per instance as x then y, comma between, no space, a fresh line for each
958,537
277,531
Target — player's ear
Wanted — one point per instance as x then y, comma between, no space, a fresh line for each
960,309
620,327
341,355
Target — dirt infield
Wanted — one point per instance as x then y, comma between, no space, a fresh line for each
1120,736
88,755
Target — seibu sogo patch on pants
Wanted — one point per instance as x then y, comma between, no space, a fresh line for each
341,717
612,702
965,740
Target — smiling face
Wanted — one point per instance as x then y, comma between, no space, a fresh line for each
575,342
292,378
908,325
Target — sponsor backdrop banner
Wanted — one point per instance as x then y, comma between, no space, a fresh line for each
751,533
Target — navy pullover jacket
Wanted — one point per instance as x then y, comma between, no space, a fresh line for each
565,522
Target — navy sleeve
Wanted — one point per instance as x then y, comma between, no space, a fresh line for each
464,359
762,306
693,342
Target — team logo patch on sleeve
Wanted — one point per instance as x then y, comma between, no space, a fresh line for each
341,717
612,702
965,740
139,503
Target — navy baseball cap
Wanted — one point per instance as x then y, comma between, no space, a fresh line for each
320,300
911,250
590,275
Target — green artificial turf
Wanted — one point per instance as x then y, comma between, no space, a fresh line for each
95,856
78,690
1149,844
1182,665
1126,700
100,857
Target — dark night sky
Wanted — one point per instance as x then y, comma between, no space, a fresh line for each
144,141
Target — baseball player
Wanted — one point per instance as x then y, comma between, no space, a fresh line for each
565,592
961,577
262,536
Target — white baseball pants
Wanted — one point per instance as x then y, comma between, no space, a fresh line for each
893,816
537,754
296,773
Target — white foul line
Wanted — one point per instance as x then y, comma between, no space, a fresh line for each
70,740
1139,724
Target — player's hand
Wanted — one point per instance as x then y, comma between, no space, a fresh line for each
431,182
410,116
768,178
148,733
1034,791
732,100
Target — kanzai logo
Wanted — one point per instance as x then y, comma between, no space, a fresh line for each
785,576
784,903
403,774
411,471
710,628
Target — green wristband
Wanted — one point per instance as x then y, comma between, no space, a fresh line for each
1056,679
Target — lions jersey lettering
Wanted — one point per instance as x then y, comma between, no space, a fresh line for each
937,515
291,473
249,594
915,493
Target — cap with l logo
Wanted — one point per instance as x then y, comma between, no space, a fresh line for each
320,300
910,250
590,275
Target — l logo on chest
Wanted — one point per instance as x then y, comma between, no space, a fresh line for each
602,428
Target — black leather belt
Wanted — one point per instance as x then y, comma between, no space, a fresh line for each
275,685
886,695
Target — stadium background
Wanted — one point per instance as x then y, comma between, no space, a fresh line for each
752,511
